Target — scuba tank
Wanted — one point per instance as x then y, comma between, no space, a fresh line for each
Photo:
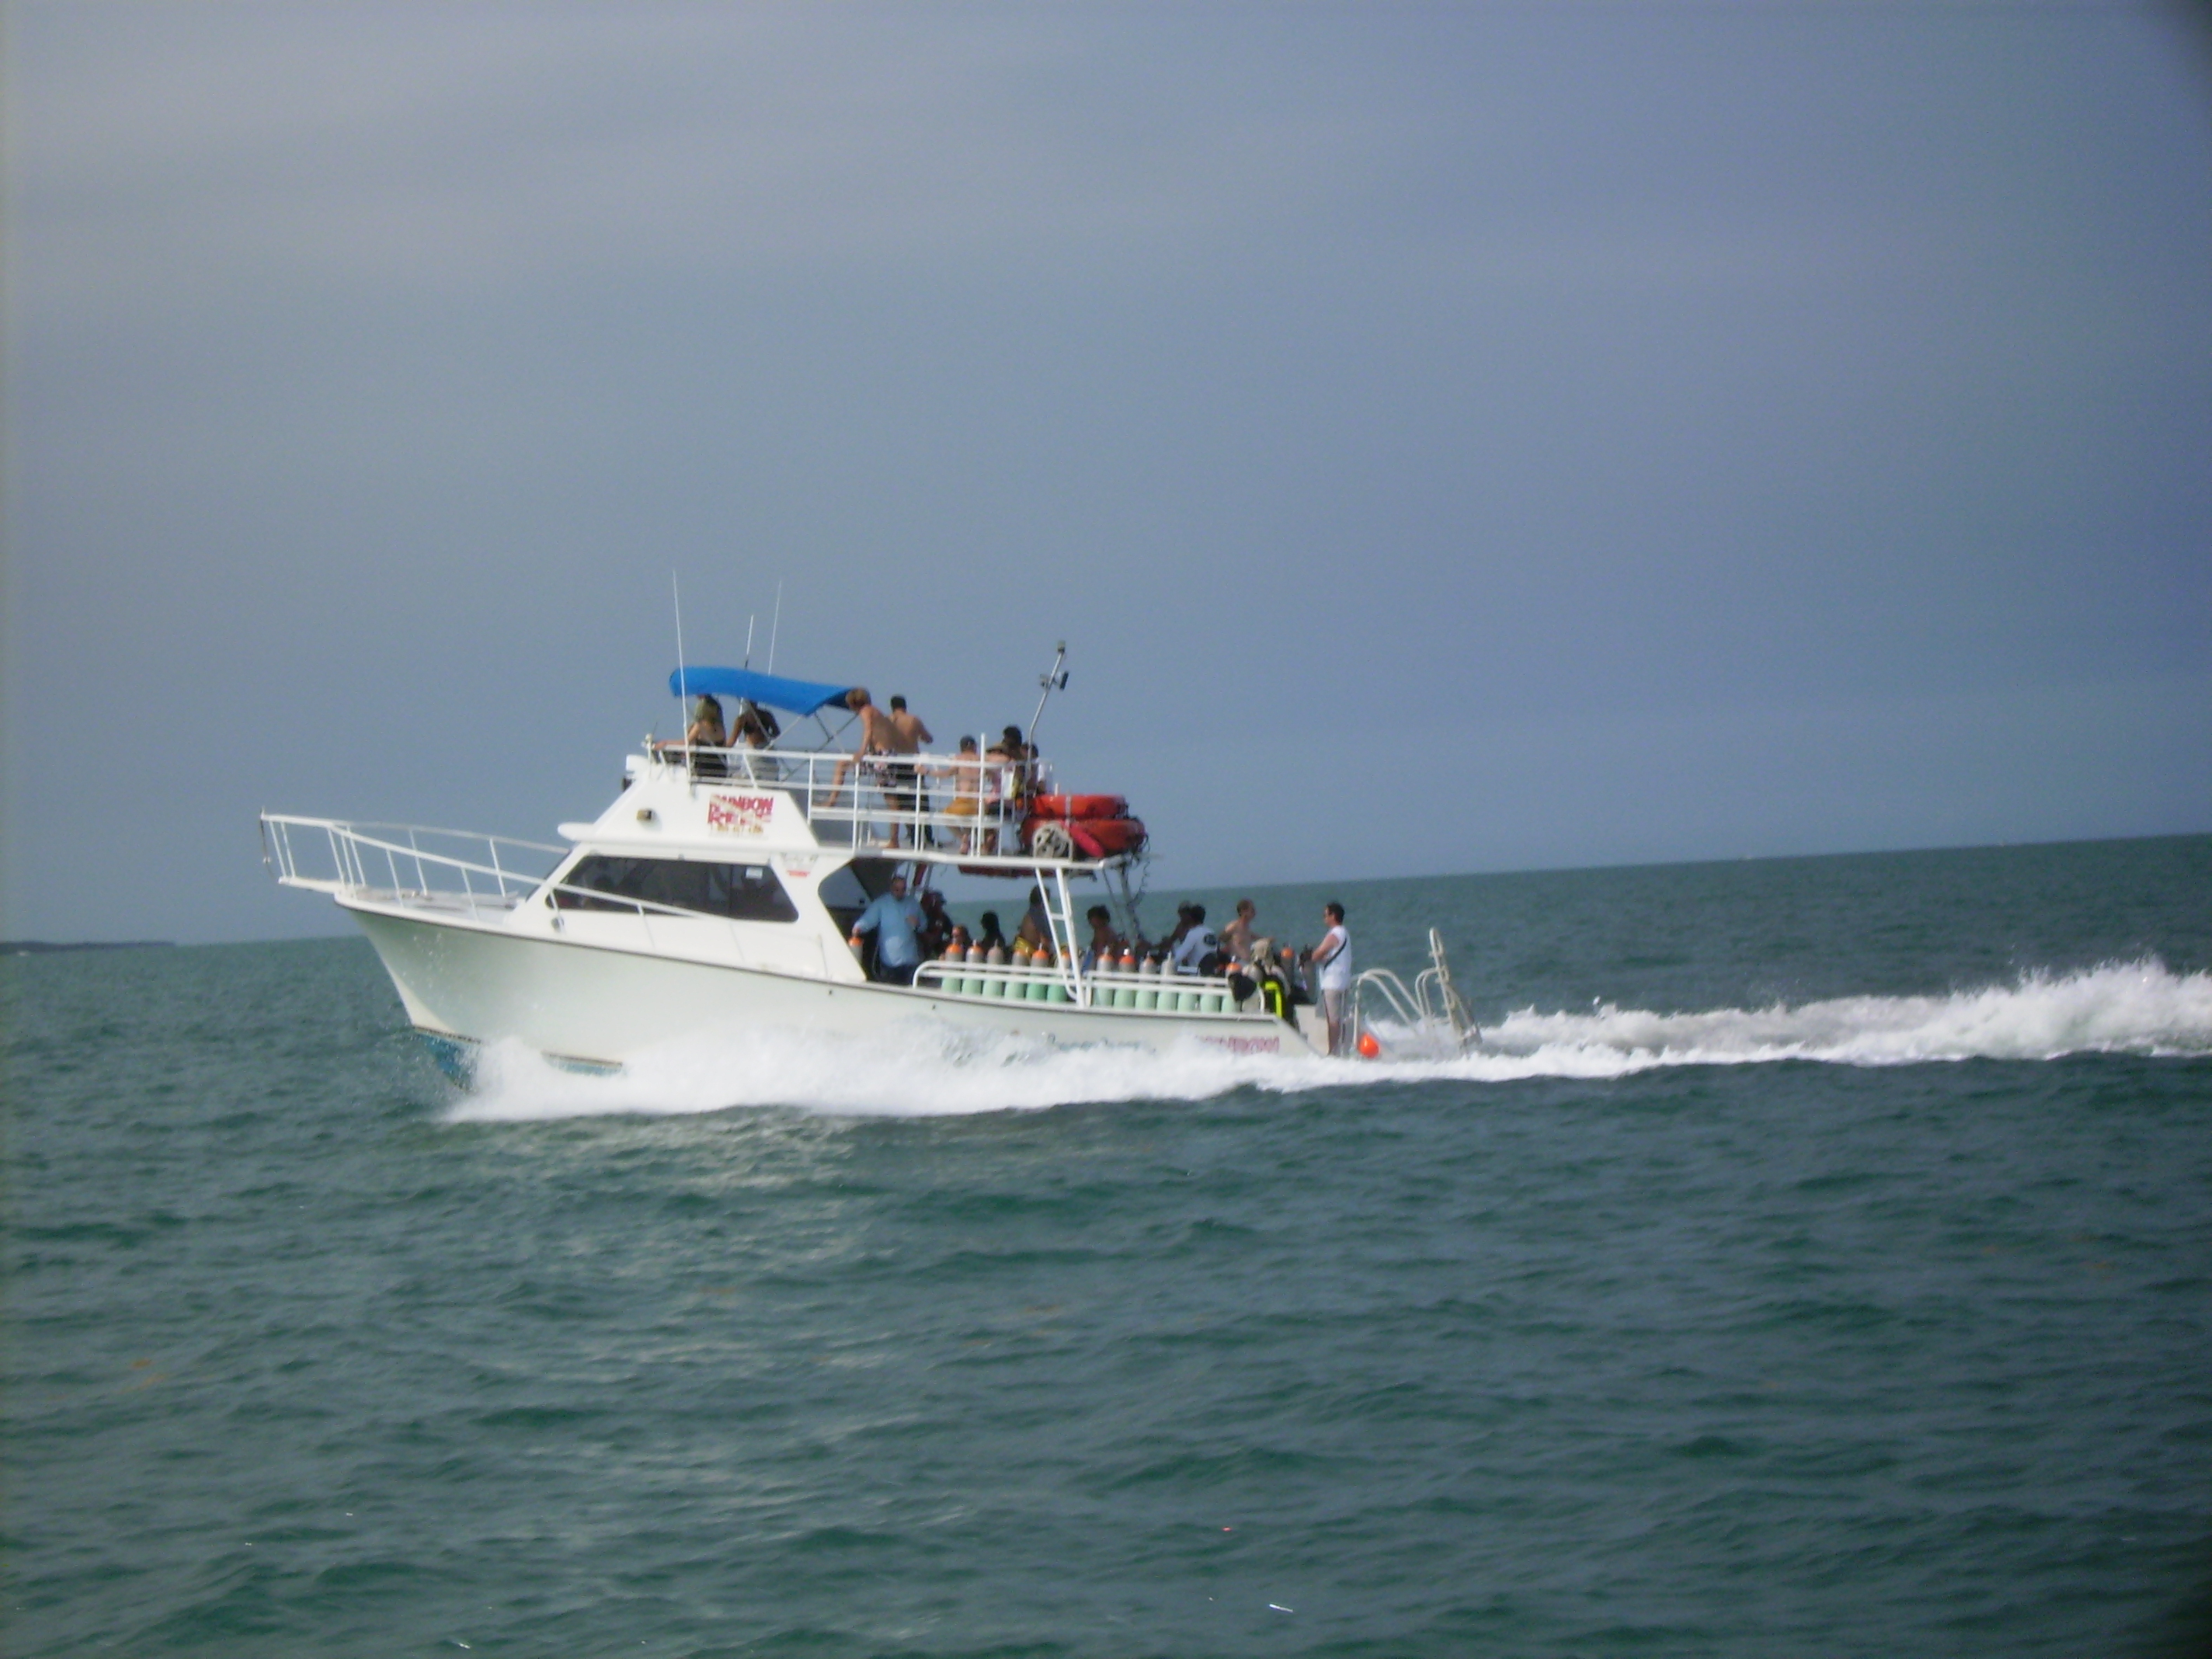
1148,982
973,985
1125,995
1054,988
997,985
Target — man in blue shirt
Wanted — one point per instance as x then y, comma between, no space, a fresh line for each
892,917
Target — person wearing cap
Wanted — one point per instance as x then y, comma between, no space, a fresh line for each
1198,942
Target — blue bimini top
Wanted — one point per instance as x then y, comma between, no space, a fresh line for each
792,696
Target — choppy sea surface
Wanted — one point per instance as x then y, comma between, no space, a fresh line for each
1819,1262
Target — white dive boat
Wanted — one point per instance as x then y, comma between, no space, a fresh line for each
719,890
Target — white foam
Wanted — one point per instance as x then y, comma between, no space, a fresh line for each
915,1070
923,1070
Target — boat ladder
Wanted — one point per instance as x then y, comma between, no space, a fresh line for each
1431,1007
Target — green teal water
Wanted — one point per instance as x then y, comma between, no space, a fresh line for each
1818,1262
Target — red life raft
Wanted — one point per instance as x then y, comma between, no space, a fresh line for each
1079,807
1094,826
1106,838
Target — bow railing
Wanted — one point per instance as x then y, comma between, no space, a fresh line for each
447,869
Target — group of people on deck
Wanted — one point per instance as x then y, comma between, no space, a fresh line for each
1249,961
754,728
985,784
908,932
981,784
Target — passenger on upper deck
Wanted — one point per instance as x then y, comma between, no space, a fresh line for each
1019,763
902,781
910,726
878,736
706,729
756,728
965,774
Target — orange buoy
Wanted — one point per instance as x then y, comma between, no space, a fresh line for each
1369,1048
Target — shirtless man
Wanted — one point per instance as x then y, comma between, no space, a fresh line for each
903,784
1236,934
878,736
911,728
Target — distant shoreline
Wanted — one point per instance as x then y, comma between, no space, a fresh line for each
38,947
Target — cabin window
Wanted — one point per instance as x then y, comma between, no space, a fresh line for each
741,892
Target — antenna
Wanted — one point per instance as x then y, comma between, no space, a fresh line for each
1054,679
748,641
683,682
775,623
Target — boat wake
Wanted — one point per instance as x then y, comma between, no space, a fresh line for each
923,1070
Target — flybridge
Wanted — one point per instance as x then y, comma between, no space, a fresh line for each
989,816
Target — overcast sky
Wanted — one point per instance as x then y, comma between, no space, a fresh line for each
1448,437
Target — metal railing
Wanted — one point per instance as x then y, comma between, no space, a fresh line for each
393,866
456,870
1163,993
1430,1007
954,804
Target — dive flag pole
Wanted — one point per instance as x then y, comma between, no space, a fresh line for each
1055,680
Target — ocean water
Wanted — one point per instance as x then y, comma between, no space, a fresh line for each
1819,1263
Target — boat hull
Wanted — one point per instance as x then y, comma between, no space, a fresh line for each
594,1005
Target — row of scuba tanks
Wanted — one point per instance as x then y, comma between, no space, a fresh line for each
1035,977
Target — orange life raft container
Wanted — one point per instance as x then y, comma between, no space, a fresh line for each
1095,826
